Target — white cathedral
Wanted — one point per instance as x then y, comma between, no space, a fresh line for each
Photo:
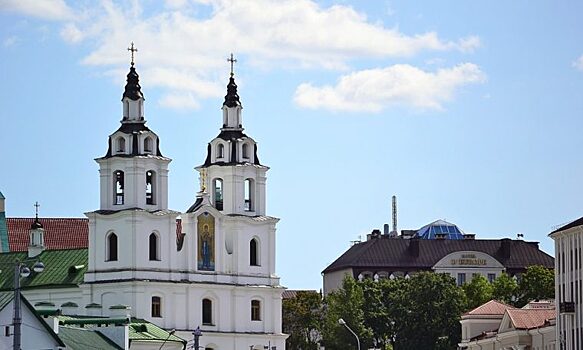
213,268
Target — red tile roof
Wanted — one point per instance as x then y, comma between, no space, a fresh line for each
60,233
493,307
530,318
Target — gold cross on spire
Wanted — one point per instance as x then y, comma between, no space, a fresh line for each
133,50
232,60
36,205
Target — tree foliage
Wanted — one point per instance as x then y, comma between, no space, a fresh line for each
302,319
504,289
478,291
346,303
537,283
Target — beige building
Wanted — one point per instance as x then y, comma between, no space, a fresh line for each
498,326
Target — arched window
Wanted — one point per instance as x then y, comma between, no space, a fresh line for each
249,191
119,186
121,144
150,187
255,310
254,252
245,151
218,193
154,247
111,247
148,144
220,150
207,312
156,307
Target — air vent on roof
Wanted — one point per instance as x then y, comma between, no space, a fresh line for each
469,236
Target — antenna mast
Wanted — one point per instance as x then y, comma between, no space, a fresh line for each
394,231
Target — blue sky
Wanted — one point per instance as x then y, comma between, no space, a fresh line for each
467,111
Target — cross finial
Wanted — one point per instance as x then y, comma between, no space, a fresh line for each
133,50
232,60
36,205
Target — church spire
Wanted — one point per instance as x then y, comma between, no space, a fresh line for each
133,89
232,98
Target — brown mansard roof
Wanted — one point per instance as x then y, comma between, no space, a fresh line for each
397,253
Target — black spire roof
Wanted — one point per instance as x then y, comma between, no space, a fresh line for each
36,224
133,89
232,99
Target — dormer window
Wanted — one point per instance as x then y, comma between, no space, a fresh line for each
148,145
121,145
220,150
245,151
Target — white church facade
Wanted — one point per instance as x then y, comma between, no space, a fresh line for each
212,266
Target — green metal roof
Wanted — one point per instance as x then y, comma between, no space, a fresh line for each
139,329
142,330
84,339
57,272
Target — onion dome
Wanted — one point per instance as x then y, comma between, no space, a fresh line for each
133,89
232,99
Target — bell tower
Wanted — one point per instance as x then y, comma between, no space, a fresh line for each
134,173
234,176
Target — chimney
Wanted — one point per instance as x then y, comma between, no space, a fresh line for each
506,247
414,247
386,229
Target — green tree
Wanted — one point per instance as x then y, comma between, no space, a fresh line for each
537,283
346,303
504,289
302,320
478,291
433,305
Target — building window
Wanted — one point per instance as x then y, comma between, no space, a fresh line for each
220,150
154,247
254,252
150,184
255,310
207,312
111,244
119,187
121,144
249,194
156,307
491,277
245,151
148,144
218,193
461,278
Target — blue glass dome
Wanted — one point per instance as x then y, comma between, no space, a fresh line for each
441,228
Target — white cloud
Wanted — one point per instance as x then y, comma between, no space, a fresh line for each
373,90
10,41
185,39
579,63
71,33
184,101
45,9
